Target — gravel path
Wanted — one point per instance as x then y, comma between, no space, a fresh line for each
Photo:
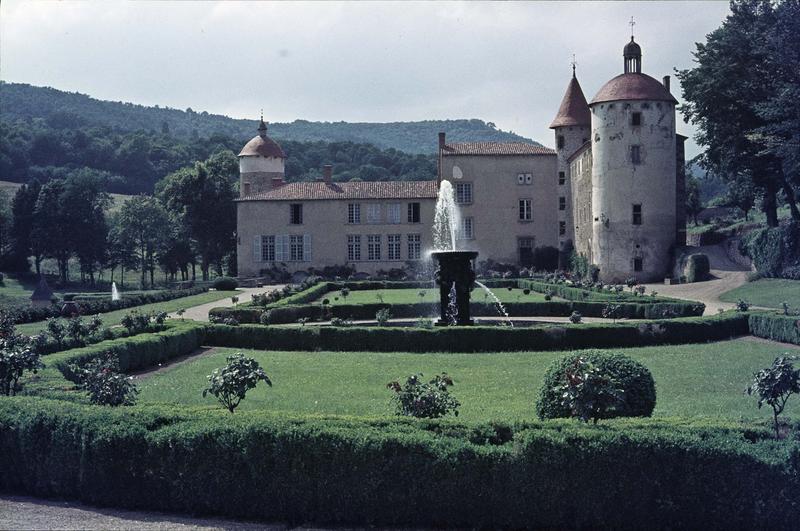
200,313
726,274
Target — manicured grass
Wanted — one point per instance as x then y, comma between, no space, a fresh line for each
411,295
113,318
691,380
767,292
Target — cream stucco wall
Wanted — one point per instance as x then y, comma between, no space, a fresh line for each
325,222
495,205
617,184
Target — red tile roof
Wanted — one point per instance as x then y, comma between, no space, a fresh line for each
318,190
633,86
263,146
495,148
573,110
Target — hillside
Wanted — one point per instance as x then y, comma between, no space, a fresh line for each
25,102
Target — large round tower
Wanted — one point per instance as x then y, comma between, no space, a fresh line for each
261,163
571,127
633,174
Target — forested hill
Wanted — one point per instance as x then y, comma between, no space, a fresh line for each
24,102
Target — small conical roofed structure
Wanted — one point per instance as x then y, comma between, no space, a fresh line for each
42,295
573,110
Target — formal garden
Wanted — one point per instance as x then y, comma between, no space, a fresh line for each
290,408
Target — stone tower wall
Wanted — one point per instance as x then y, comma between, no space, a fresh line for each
574,138
256,174
618,183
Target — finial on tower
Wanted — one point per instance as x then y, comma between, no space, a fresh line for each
262,127
574,63
632,23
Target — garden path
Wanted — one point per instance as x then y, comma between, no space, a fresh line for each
200,313
726,275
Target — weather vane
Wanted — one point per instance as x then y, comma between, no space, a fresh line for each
574,63
632,23
262,114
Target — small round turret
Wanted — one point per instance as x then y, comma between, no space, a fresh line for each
261,163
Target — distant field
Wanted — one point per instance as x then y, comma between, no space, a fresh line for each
117,199
113,318
412,295
691,380
767,292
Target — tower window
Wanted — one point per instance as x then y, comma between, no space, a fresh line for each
638,264
560,141
562,178
636,154
637,214
296,214
562,228
636,119
562,203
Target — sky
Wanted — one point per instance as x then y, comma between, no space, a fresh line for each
504,62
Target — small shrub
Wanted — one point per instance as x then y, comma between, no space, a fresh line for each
225,284
57,330
424,400
634,380
742,305
589,392
230,321
612,311
235,300
575,318
344,292
264,318
338,321
774,385
698,268
382,316
180,312
106,385
632,283
639,290
424,322
379,296
76,330
16,357
230,384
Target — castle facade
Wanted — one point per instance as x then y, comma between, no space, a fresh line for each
612,191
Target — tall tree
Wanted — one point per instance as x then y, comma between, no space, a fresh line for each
723,93
51,235
693,202
144,224
22,207
84,203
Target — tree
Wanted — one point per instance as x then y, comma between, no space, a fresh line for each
51,235
231,383
5,223
774,385
693,203
725,96
741,194
84,203
22,208
142,222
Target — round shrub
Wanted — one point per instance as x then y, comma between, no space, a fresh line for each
635,380
225,284
697,268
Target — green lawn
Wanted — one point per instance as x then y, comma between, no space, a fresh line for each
691,380
113,318
411,295
767,292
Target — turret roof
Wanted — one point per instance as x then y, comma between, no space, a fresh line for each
633,86
573,110
262,145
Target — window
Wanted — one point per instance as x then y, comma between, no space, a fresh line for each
374,247
374,213
296,214
354,213
562,228
638,264
636,155
636,119
296,248
353,247
637,214
463,193
413,213
414,247
466,230
525,209
268,248
562,203
560,141
393,244
524,178
393,213
562,178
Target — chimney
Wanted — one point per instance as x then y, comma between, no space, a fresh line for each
666,83
277,182
327,173
441,140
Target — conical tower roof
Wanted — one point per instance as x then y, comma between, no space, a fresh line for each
573,110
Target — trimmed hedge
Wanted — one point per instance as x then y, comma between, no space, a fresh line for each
783,328
292,313
698,268
591,294
480,338
644,475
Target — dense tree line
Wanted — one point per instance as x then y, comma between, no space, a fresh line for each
25,102
190,222
132,162
744,96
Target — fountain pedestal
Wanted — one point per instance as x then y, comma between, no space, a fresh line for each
454,273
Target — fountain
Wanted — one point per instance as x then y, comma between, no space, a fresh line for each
114,292
454,273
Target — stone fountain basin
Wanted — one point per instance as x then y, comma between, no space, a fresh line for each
454,256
